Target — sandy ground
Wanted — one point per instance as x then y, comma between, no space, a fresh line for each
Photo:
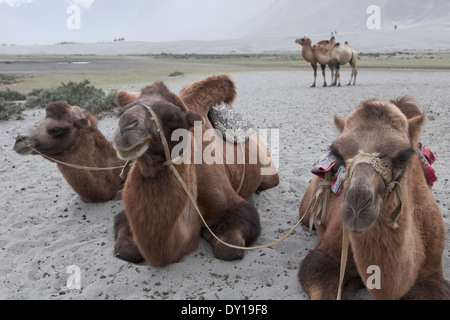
45,227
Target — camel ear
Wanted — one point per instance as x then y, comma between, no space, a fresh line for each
192,117
123,98
415,126
77,113
339,123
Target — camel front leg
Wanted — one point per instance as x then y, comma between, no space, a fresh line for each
323,74
314,66
238,226
332,74
319,276
434,287
337,78
125,248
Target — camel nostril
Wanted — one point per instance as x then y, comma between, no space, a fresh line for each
358,201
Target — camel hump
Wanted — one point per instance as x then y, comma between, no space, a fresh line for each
123,98
337,44
209,92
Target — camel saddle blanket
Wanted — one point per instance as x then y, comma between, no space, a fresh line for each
233,127
427,158
326,162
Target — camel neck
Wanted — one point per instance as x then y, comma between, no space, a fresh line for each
155,166
308,53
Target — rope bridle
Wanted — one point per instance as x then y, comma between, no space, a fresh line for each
384,171
70,165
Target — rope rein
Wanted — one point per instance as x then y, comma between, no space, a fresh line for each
70,165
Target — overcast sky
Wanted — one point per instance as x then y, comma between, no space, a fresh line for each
29,22
54,21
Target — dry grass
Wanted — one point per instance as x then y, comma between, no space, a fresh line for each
129,72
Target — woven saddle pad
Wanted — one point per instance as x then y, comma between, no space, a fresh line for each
233,127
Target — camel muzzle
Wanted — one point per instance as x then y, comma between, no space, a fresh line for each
22,147
389,176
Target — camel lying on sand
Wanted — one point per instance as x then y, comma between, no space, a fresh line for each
336,57
308,55
67,134
394,224
160,223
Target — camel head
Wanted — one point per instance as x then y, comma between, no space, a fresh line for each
376,142
138,134
57,132
305,41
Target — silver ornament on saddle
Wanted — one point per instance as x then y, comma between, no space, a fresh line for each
230,123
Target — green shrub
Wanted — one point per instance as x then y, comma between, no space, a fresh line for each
9,79
7,108
81,94
10,95
176,74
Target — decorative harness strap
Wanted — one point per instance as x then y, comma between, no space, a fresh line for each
384,171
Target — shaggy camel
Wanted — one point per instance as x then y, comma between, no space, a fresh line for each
394,223
159,223
338,56
308,55
67,134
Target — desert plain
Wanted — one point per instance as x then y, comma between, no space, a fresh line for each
46,228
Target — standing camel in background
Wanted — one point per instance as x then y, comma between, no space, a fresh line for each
336,57
308,55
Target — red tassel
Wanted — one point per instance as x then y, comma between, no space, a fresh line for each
430,175
428,154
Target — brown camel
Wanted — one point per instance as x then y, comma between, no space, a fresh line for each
338,56
396,231
308,55
67,134
161,224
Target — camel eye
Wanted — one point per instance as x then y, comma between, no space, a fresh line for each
58,132
403,158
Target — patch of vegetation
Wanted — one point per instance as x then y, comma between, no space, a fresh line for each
176,74
6,79
10,95
81,94
8,104
7,108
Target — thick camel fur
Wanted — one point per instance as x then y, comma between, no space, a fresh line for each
69,135
159,221
407,248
